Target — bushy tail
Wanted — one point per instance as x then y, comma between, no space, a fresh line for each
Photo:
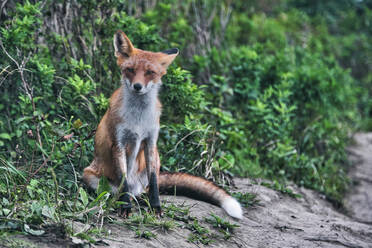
200,189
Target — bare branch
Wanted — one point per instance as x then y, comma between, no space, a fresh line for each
7,54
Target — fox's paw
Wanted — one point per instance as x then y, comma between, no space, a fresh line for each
157,211
125,212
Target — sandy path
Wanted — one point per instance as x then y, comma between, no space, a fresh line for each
278,220
359,200
282,221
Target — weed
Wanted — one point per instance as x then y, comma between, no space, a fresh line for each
145,223
281,187
223,226
146,234
179,213
246,199
199,234
13,242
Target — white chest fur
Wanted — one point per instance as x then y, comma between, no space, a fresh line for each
139,116
140,122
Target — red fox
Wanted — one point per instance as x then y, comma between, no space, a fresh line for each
126,137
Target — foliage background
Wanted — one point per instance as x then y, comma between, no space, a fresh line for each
270,89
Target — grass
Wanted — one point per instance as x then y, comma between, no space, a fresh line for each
35,206
281,187
223,226
146,225
8,240
246,199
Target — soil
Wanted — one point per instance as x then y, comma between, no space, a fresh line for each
359,200
278,220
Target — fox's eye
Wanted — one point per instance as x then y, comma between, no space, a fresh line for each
150,72
130,70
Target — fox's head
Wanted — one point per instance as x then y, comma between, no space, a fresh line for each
141,70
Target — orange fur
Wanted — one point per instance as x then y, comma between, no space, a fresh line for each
106,156
116,143
105,162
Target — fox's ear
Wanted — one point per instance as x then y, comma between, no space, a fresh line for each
122,45
167,57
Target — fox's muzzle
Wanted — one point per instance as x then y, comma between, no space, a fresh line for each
137,87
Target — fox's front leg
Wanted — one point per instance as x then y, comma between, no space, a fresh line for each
120,158
152,167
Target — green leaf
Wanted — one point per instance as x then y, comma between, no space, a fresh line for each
48,212
104,193
103,186
77,124
5,201
32,231
25,118
18,133
34,182
6,211
83,197
42,149
11,169
5,136
36,208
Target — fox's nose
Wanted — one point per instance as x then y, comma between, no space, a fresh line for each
137,86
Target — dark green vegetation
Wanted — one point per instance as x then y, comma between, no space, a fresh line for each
261,88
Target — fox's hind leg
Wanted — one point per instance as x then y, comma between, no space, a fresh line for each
91,176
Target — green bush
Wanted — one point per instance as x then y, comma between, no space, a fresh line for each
281,113
260,91
54,90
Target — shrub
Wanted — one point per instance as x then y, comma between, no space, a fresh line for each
261,94
281,113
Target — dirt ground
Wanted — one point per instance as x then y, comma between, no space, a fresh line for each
359,200
277,220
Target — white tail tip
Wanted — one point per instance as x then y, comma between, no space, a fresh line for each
232,207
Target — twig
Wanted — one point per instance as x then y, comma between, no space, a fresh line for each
175,147
55,185
7,54
28,90
10,73
3,70
44,163
2,6
73,169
